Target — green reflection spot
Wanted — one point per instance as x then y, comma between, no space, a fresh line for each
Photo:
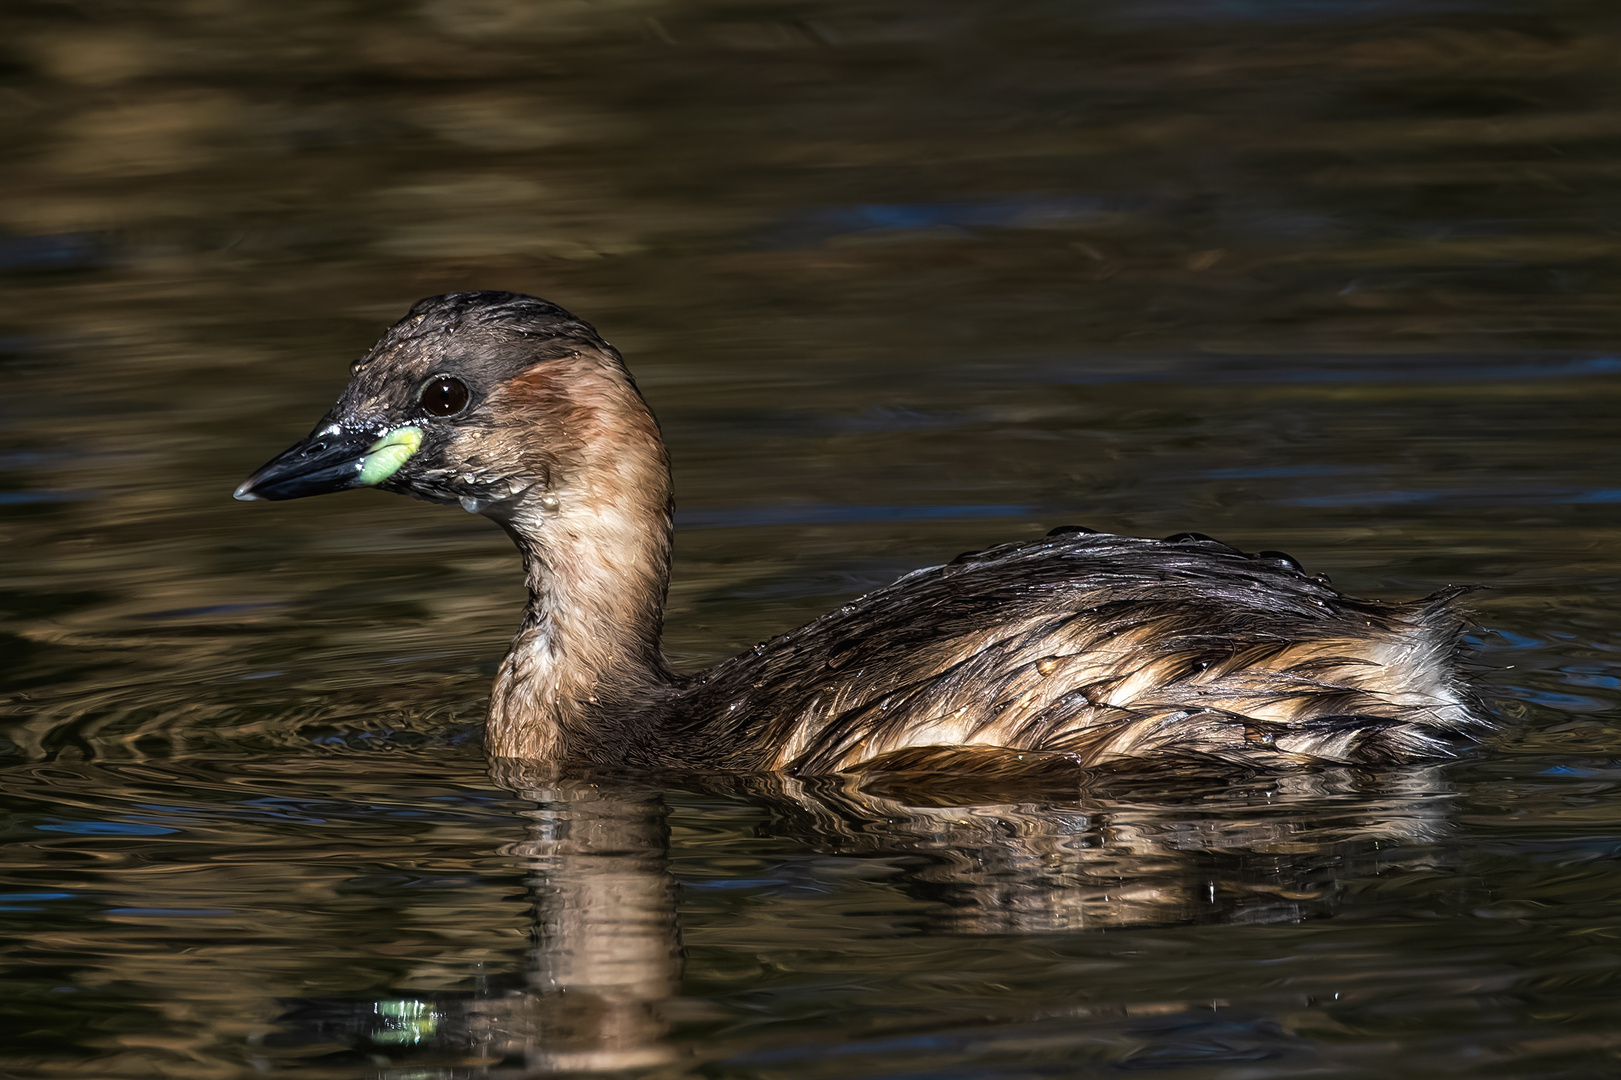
406,1022
385,456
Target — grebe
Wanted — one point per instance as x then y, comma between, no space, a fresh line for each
1082,647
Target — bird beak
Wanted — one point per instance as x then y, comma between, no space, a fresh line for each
333,458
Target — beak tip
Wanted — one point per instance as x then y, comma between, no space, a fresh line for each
332,458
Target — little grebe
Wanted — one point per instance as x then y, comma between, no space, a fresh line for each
1100,649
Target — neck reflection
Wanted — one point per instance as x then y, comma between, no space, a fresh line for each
606,953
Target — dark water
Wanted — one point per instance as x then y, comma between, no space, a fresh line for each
1335,277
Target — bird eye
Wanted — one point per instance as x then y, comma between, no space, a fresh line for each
443,396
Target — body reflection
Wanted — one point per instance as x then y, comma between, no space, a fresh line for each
598,988
1133,852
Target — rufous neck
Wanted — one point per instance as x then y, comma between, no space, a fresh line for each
595,538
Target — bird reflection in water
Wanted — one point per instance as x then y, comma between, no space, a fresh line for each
606,954
1131,851
601,988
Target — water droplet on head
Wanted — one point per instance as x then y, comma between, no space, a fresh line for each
1047,665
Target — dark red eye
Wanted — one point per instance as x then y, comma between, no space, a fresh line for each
444,396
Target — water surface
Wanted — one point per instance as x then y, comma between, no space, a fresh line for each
899,280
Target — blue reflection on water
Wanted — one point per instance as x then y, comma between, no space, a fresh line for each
1573,703
1587,676
1463,496
1498,638
42,495
824,223
106,828
50,252
30,901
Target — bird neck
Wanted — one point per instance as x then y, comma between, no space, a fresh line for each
595,538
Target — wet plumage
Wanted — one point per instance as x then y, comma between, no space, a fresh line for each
1080,648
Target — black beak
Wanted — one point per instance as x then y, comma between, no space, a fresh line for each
331,459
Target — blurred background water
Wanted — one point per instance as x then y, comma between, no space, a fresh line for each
1333,276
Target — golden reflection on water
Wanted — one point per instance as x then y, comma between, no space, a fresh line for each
540,919
899,281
